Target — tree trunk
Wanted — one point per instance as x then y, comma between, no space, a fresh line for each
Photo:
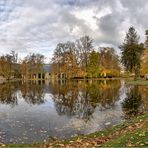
137,73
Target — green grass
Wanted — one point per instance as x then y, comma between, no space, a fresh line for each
137,138
137,82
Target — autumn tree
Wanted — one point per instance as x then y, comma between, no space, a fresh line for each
109,61
144,62
24,69
79,59
32,64
93,64
8,65
65,59
131,51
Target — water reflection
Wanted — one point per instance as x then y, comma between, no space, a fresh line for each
43,109
8,94
134,104
33,93
76,98
81,98
143,90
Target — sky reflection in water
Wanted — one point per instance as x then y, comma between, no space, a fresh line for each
35,111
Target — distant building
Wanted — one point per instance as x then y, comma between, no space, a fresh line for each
44,73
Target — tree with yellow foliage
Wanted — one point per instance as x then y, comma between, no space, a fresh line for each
144,63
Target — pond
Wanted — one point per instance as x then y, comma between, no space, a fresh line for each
35,111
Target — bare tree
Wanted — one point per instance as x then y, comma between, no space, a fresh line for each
84,48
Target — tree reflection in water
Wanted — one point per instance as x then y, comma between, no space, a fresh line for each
132,103
31,92
8,93
80,98
143,90
76,98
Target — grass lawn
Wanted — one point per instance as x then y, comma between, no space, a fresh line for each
137,82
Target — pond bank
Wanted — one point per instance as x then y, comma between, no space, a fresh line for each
141,82
132,133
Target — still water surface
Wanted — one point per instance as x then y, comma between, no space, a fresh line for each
35,111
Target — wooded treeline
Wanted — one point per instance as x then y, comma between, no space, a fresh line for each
11,68
81,59
31,64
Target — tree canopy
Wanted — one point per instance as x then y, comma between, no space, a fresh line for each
80,59
131,51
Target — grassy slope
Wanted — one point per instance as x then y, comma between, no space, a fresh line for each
135,137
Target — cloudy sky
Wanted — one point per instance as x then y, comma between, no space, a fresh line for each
28,26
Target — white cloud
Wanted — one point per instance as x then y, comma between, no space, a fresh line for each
37,26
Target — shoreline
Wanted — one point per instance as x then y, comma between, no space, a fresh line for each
128,80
